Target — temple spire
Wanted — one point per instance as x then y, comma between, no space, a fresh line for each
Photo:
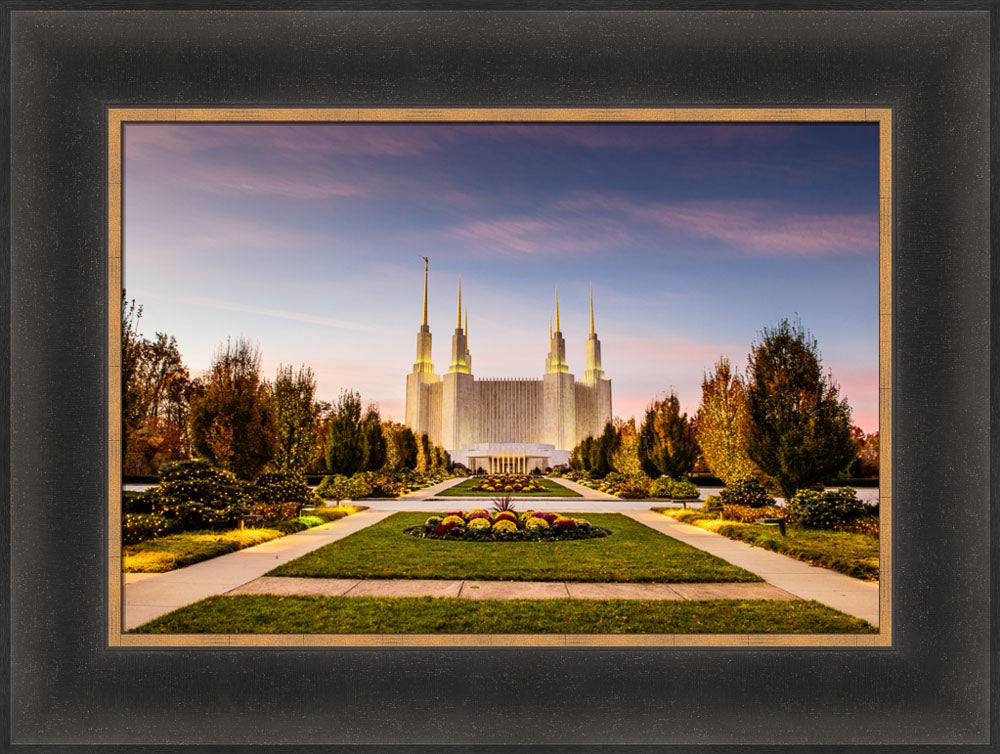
459,325
550,328
426,264
557,310
466,328
591,309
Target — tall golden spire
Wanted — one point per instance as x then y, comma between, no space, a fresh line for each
591,309
550,328
426,261
459,325
557,309
466,328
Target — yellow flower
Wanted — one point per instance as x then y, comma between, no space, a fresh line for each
541,523
457,520
504,527
479,523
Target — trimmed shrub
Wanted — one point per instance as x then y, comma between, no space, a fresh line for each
630,490
197,495
748,515
829,509
138,527
136,502
677,489
333,487
712,503
340,487
358,487
272,489
310,521
748,492
383,485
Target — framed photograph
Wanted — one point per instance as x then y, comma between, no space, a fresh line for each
655,197
713,479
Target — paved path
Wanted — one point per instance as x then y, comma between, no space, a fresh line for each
508,590
591,501
843,593
150,595
426,492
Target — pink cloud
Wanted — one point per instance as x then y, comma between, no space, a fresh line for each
536,235
764,228
145,141
634,136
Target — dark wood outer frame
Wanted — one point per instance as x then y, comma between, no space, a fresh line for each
931,687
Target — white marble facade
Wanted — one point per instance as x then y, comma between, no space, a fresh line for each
503,425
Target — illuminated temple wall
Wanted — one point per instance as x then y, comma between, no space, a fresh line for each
469,417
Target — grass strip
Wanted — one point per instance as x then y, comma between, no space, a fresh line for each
851,554
552,489
632,552
272,614
187,548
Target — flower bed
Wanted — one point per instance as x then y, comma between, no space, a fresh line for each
508,483
479,525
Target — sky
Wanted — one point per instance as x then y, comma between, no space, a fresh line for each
307,238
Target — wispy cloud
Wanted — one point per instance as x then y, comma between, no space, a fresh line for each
760,227
638,136
525,234
145,141
233,306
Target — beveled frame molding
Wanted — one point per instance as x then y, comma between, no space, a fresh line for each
119,117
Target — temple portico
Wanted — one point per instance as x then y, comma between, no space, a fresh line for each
509,458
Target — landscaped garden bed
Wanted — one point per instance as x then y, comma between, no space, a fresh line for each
634,552
271,614
479,525
850,553
493,486
166,553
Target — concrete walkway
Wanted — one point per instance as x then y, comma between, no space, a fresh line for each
150,595
426,492
843,593
508,590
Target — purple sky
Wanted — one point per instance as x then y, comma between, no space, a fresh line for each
306,238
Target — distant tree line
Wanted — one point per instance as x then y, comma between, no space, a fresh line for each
783,421
239,421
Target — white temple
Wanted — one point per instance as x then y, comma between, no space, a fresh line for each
506,425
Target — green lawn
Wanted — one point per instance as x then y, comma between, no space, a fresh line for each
632,552
853,554
270,614
552,489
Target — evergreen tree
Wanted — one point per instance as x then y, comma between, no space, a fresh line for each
798,427
345,443
375,443
625,459
667,443
232,423
296,413
409,449
585,453
425,459
721,424
602,449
